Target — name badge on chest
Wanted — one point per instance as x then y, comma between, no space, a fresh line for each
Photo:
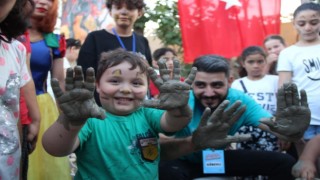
213,161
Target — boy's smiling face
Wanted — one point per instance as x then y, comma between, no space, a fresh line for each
122,90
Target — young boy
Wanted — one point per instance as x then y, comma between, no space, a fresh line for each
125,144
124,13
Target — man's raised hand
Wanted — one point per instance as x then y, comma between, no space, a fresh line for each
213,129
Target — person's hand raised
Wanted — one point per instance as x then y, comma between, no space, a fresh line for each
173,92
213,129
77,102
293,114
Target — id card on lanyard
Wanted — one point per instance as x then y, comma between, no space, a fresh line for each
213,161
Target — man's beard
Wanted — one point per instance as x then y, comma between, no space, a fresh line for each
212,106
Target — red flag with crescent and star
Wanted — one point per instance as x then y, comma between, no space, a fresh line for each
226,27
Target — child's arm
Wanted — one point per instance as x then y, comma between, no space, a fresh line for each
77,105
59,141
284,77
173,97
306,166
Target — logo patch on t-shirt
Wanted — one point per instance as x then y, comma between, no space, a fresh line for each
149,148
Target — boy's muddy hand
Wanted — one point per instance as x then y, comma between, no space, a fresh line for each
213,129
173,92
293,115
77,102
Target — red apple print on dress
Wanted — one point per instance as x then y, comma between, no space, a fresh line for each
2,61
26,76
5,46
10,160
21,47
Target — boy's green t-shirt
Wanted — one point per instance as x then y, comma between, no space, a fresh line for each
120,147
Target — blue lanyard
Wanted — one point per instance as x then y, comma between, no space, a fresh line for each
121,43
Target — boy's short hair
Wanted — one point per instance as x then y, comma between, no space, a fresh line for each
131,4
118,56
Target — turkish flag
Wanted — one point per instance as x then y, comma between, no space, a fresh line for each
226,27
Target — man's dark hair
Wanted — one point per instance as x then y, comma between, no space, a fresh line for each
131,4
212,64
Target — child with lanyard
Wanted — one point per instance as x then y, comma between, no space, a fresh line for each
125,13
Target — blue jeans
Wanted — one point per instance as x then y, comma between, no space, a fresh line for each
312,131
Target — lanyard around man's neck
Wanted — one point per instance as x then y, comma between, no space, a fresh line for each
121,43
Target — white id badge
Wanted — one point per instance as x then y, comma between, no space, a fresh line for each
213,161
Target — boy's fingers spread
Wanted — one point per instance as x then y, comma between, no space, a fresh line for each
56,88
154,77
165,74
90,77
90,82
191,76
69,79
78,77
176,70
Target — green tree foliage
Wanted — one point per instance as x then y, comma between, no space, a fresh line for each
165,14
